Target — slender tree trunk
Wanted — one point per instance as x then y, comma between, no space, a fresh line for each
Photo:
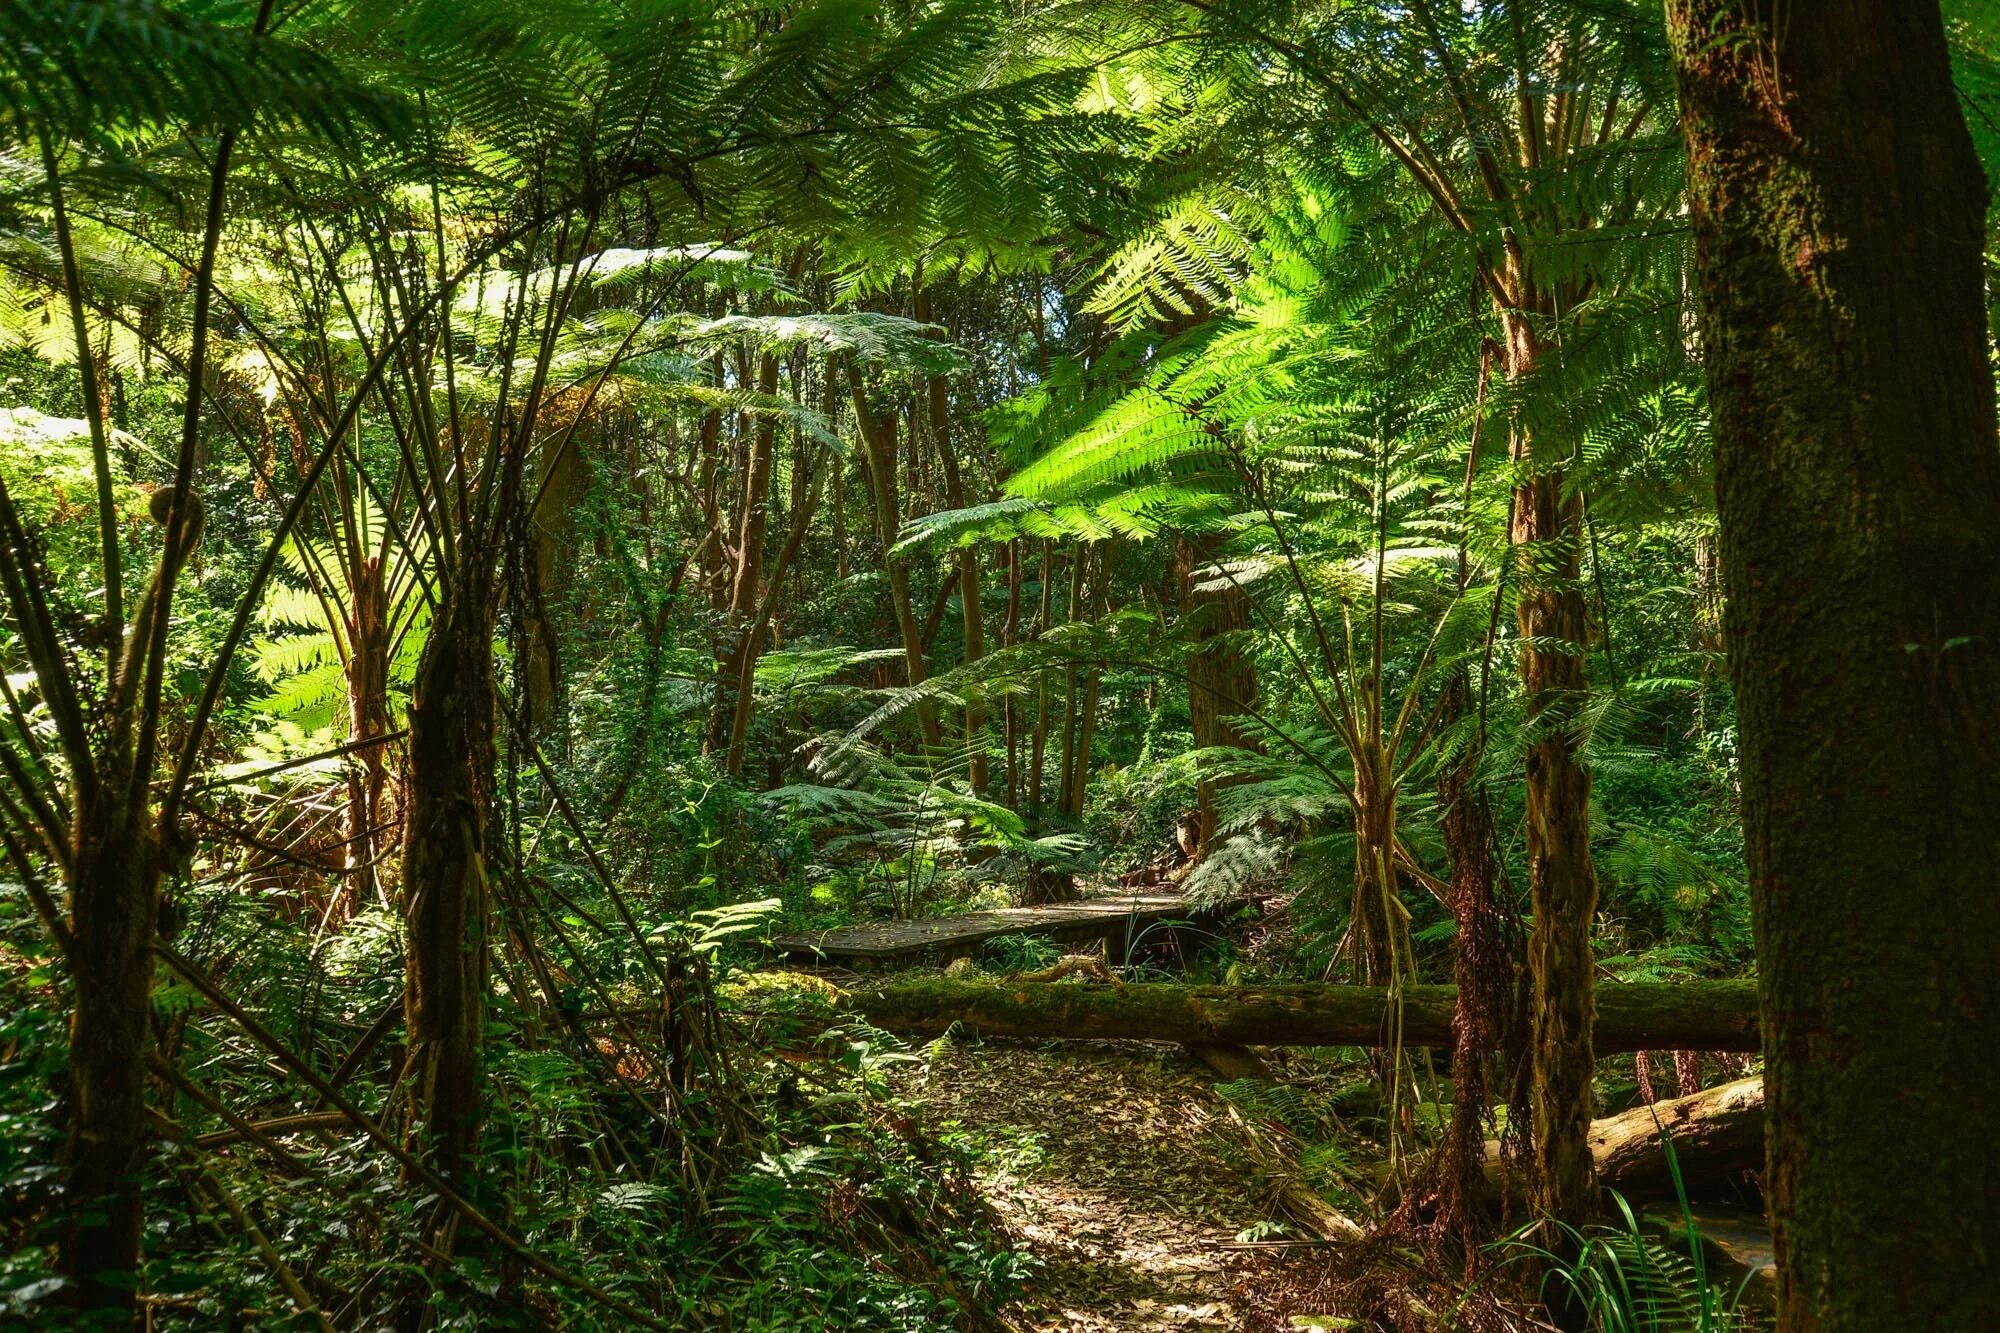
1038,741
1222,679
1377,913
878,438
1553,619
1043,885
1066,761
750,645
1010,723
1079,780
714,549
552,532
968,577
367,719
114,876
445,867
1481,970
753,521
1839,215
753,518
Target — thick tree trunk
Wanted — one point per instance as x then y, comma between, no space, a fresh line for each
1710,1015
445,875
1553,619
114,903
1839,215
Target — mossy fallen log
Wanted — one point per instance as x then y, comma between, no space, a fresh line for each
1695,1015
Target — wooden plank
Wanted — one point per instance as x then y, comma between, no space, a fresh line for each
952,936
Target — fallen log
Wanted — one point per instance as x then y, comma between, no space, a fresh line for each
1717,1134
1693,1015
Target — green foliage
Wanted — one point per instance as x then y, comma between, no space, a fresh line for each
1623,1279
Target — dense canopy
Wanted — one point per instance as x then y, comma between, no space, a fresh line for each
1403,597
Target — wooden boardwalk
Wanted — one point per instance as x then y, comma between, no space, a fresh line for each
1119,919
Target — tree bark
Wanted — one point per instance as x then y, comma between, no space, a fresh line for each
114,901
939,405
367,718
444,867
1708,1015
878,440
1553,619
750,646
1010,726
1839,214
1078,783
1222,680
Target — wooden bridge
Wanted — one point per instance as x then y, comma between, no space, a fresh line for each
1119,919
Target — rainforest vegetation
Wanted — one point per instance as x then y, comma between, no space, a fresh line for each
1000,664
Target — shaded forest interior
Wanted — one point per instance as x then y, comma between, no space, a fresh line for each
865,665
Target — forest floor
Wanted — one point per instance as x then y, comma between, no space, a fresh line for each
1112,1164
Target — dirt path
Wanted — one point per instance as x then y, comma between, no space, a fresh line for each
1110,1165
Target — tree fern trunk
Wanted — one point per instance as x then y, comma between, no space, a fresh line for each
1553,620
1481,971
444,866
115,899
1839,213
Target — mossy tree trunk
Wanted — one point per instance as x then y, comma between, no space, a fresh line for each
1712,1015
1839,214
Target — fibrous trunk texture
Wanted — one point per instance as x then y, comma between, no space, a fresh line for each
1481,969
115,900
445,872
1553,620
1839,215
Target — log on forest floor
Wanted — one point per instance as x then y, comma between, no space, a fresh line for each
1717,1134
1695,1015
